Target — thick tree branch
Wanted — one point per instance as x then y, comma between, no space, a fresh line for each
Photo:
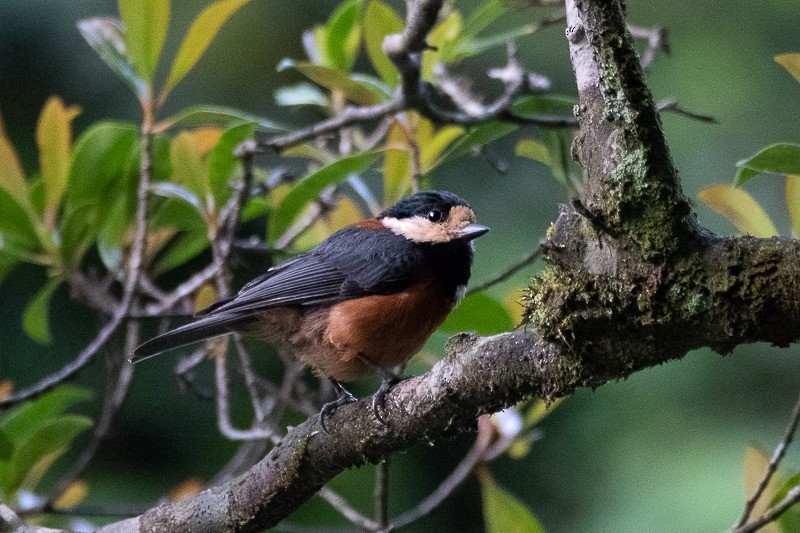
634,282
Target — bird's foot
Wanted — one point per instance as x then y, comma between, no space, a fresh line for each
388,380
344,397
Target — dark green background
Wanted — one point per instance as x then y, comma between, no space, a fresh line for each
661,451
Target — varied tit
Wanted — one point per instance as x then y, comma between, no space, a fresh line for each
365,299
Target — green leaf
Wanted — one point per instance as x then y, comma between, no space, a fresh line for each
23,420
146,23
789,521
106,36
558,148
209,115
441,38
504,513
300,94
471,47
54,139
480,18
780,158
36,318
534,150
102,155
189,169
334,80
15,224
187,247
178,192
380,20
310,187
104,166
343,35
542,103
6,447
479,136
480,313
203,30
52,437
12,178
740,208
791,62
793,200
222,162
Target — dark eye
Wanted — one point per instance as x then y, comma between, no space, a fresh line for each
435,215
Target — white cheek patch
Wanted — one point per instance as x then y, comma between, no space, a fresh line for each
417,229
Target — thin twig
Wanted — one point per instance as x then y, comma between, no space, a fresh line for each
671,105
135,266
792,497
508,272
347,510
120,373
657,40
777,457
446,488
381,493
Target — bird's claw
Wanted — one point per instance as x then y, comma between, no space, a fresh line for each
344,397
388,380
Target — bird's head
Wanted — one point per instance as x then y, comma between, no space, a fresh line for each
435,217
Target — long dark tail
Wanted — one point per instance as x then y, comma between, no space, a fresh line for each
207,327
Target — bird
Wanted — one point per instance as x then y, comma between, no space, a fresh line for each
366,299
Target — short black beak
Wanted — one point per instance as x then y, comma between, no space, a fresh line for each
473,231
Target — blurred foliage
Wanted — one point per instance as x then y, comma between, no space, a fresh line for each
33,435
75,211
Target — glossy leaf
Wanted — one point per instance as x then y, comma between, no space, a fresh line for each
343,35
789,521
300,94
14,224
480,18
740,208
477,46
558,148
209,115
36,318
397,168
543,103
334,80
222,162
12,177
479,136
310,187
793,200
791,62
187,247
380,20
102,154
23,420
202,31
434,141
441,38
54,139
480,313
178,192
533,150
106,36
503,512
779,158
51,439
187,156
146,23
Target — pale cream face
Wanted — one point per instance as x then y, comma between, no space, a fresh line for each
420,229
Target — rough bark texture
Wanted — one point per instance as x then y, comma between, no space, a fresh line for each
633,282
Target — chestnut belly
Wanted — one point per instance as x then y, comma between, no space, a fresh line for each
361,335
